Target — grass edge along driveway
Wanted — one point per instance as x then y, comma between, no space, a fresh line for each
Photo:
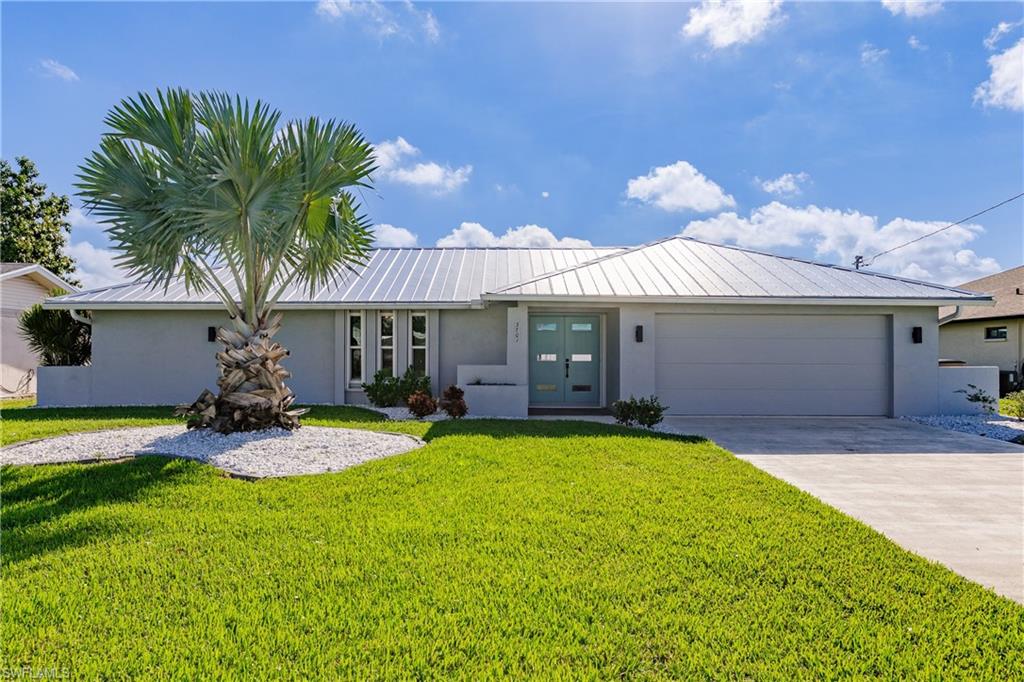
503,548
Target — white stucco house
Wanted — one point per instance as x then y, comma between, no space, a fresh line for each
710,329
22,285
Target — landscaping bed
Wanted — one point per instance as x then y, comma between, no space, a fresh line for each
988,425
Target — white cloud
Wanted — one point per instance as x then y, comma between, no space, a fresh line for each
916,44
678,187
724,23
81,221
53,68
394,163
840,235
533,236
869,54
1002,29
388,235
96,266
1005,87
545,195
379,20
786,184
912,8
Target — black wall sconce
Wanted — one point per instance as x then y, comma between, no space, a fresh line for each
917,334
211,334
639,333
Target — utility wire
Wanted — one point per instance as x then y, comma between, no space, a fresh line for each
860,262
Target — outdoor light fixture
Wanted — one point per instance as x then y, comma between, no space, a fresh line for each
211,334
917,334
639,332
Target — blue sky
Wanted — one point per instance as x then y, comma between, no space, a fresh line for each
811,129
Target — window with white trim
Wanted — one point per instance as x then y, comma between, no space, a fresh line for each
995,334
418,343
386,348
355,349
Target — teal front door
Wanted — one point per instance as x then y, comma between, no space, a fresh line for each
565,360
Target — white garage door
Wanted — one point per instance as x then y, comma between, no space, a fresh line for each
773,364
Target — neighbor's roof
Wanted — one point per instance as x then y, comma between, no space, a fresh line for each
675,269
1007,288
34,272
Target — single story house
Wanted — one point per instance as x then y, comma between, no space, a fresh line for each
991,335
22,285
709,329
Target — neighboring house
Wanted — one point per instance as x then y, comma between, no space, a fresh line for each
22,285
992,335
710,329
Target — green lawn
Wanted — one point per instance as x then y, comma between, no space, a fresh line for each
502,549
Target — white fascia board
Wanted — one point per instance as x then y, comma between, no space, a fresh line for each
57,304
762,300
40,272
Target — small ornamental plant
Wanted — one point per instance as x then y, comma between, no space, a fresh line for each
1012,405
980,396
453,403
421,404
647,412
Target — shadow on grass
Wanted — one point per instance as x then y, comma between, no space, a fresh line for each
41,504
523,428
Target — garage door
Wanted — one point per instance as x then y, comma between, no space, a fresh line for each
773,364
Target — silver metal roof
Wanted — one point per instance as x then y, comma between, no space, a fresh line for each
423,277
679,268
672,269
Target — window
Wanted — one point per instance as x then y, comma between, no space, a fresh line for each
355,349
387,343
995,333
418,343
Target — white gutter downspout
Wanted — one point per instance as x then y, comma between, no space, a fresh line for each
952,316
79,317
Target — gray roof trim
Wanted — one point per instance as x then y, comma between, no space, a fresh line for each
780,300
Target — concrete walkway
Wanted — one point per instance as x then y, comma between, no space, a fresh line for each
951,497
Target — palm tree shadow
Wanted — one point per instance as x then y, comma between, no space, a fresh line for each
50,512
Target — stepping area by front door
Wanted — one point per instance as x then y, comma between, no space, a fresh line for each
565,360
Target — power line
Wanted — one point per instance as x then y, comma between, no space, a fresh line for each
860,262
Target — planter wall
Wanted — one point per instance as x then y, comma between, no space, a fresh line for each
953,379
496,401
64,386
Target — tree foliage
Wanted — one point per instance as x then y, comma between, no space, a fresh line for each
56,337
33,223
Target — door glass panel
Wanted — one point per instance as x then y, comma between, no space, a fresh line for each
582,327
547,357
547,326
546,387
581,388
582,357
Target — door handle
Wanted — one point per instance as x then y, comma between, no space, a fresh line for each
567,368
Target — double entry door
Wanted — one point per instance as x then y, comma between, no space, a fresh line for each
565,360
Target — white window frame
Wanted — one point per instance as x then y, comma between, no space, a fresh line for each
394,341
352,382
997,339
426,340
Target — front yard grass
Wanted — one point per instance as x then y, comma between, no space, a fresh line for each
502,548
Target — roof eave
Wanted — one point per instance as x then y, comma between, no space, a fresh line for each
61,304
764,300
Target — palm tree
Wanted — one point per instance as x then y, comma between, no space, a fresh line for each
54,336
210,190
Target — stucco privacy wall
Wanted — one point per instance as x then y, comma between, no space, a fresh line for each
470,337
163,357
966,341
914,366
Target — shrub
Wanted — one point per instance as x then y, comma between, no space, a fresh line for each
56,337
1012,405
648,412
980,396
453,403
421,404
387,391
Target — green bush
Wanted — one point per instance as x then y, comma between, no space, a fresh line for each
1012,405
453,403
388,391
56,337
647,412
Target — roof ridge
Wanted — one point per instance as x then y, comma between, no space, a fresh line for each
570,268
833,266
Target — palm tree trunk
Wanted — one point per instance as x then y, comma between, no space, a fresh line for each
252,394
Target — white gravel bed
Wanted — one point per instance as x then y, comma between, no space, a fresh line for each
258,454
990,426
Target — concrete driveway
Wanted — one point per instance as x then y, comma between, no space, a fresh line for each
950,497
